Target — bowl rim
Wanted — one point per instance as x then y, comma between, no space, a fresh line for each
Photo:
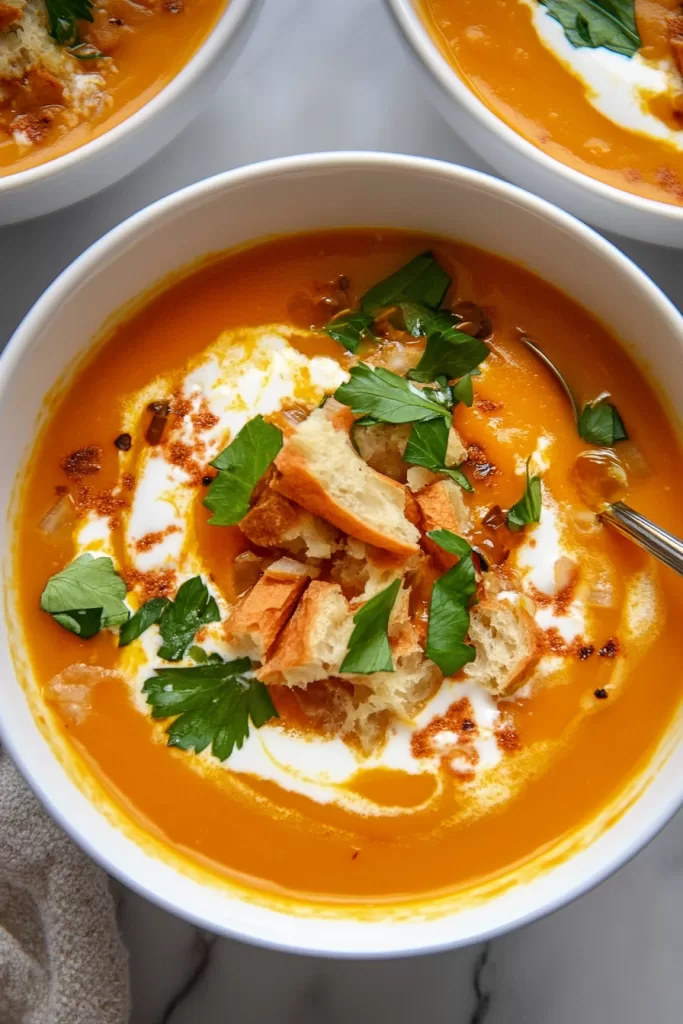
232,18
418,37
121,238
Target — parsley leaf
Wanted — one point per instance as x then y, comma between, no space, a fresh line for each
213,704
63,15
448,352
463,390
350,329
193,608
369,649
387,397
427,446
449,618
199,655
86,596
422,281
149,613
240,467
528,508
608,23
600,423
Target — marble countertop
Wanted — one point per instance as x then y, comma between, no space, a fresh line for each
324,75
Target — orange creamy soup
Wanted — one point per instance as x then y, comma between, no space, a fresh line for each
369,648
70,71
613,111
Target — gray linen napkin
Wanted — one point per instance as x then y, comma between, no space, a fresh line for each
61,959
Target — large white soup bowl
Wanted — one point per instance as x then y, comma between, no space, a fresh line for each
285,196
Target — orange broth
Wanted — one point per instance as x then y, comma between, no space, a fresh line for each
254,831
146,45
496,50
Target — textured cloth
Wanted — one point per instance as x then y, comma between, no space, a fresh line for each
61,959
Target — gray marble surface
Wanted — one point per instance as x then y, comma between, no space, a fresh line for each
324,75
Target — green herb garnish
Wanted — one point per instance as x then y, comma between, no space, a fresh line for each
192,608
449,617
463,390
240,467
608,23
144,617
369,649
422,281
600,423
427,446
86,596
211,704
384,397
63,15
350,330
528,508
449,352
199,655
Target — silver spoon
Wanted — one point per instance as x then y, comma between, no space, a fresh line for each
655,540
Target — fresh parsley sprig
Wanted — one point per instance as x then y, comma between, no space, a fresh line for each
422,281
86,596
427,446
449,617
144,617
240,467
350,330
528,508
179,620
192,608
593,23
369,649
384,397
600,423
449,352
63,15
211,705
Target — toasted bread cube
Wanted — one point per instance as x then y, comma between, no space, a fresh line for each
320,470
455,450
276,522
382,446
442,508
255,622
314,642
506,640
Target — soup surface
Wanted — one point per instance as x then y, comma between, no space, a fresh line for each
405,655
73,70
613,111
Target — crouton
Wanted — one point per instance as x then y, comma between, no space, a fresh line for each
320,470
414,680
314,642
255,622
442,508
455,450
364,570
276,522
382,446
506,641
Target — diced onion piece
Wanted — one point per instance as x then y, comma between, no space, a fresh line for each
565,572
71,689
601,593
60,515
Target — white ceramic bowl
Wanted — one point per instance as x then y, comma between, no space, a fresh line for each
111,156
302,194
522,162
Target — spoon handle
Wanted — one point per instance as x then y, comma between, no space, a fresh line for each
658,542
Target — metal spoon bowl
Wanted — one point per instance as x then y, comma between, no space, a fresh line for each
654,539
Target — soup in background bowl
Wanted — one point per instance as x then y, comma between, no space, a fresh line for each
88,91
585,110
316,640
